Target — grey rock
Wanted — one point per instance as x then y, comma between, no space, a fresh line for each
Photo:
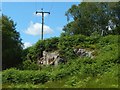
50,58
83,52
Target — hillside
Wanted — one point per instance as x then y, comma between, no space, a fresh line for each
101,71
84,53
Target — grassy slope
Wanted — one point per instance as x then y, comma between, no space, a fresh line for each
99,72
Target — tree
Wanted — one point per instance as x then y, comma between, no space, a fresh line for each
91,17
117,19
11,43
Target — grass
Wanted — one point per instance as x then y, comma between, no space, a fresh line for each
107,80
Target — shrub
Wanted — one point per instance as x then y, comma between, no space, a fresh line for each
67,43
107,40
17,76
57,75
29,65
10,76
41,77
51,44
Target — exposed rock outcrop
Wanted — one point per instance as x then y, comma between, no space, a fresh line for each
83,52
51,58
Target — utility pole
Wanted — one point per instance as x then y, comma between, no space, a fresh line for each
42,12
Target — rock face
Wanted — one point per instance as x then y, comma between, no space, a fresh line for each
52,58
83,52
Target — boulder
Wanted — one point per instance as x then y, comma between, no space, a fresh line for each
83,52
50,58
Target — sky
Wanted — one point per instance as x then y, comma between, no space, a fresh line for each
29,24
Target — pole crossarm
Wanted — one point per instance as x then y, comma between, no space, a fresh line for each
42,12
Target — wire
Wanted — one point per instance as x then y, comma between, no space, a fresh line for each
35,9
50,10
43,5
51,7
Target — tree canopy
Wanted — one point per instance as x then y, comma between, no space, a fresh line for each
11,43
89,17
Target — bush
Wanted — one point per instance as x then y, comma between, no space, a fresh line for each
107,40
66,45
41,77
29,65
17,76
51,44
35,52
10,76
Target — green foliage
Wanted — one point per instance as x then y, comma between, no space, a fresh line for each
59,75
16,76
78,72
51,44
93,17
29,65
11,43
10,76
110,39
24,86
67,43
72,81
35,51
88,30
24,53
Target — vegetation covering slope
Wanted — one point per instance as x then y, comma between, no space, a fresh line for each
90,30
101,71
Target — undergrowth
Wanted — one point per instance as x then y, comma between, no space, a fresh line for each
98,72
